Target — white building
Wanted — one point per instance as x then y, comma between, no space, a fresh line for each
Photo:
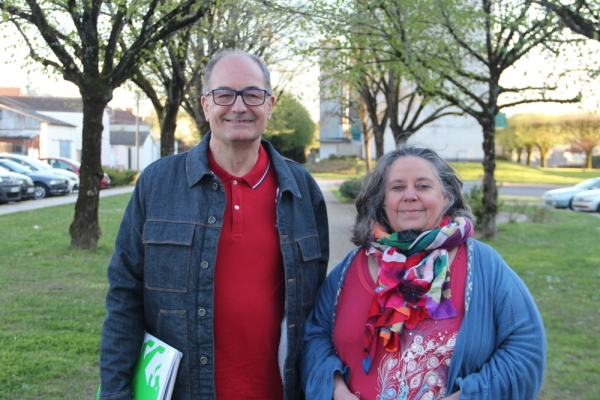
52,126
456,138
123,148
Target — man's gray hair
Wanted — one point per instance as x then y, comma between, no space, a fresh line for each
235,52
369,203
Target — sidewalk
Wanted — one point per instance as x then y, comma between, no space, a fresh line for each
56,201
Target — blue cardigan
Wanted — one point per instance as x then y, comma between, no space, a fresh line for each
500,351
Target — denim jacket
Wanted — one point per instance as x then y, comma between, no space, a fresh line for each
162,269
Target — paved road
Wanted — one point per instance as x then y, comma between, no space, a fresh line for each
519,189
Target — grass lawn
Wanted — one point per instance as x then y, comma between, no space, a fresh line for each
52,303
473,171
52,300
517,173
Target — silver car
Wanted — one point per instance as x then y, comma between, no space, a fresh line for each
37,165
587,201
27,185
562,198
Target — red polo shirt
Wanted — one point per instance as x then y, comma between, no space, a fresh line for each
249,286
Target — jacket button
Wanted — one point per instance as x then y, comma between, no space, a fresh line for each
215,186
204,264
203,360
211,220
202,312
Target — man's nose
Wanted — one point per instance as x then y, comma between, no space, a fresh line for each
238,104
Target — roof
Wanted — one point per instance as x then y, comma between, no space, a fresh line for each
9,103
125,138
10,91
15,134
122,117
54,104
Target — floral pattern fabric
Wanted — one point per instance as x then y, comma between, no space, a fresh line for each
413,281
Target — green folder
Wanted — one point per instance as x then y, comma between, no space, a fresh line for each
155,372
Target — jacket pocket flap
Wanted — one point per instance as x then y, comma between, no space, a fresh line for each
310,248
163,232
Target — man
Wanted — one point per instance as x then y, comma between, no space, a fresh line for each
220,253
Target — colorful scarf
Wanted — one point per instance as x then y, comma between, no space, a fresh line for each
413,281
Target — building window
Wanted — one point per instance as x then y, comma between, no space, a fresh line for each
65,148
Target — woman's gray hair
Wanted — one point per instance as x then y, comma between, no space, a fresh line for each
369,203
235,52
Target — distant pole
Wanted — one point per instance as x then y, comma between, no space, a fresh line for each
137,133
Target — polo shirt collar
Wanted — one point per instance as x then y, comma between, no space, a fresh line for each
197,165
253,178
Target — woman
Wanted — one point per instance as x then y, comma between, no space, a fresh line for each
420,310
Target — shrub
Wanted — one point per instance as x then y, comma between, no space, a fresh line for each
121,178
351,188
475,196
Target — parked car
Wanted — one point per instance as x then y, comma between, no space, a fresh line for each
45,183
27,185
10,190
587,201
37,165
73,166
561,198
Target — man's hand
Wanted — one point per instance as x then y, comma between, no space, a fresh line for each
340,391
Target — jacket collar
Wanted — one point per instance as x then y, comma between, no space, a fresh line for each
196,166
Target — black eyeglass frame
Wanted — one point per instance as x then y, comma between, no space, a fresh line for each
239,93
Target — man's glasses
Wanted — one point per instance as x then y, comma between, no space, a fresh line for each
251,97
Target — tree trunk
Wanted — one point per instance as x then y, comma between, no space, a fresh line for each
378,133
588,160
168,124
490,194
543,157
528,151
401,136
519,154
85,230
367,142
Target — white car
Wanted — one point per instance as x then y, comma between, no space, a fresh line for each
587,201
561,198
37,165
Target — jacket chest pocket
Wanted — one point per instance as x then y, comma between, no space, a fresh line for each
168,253
310,253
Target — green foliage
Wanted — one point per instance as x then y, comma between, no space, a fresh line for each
351,188
474,197
121,178
291,127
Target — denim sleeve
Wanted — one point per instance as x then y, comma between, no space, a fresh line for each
319,360
320,211
123,328
515,369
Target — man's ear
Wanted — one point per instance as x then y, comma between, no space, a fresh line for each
204,103
271,104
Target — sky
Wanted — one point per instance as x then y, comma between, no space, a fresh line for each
14,72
